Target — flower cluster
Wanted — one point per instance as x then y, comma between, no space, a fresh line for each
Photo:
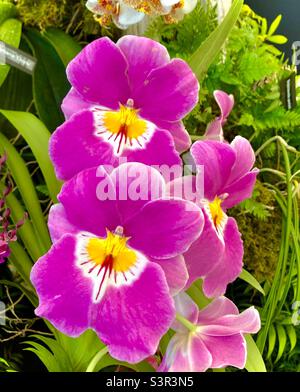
7,234
126,244
128,12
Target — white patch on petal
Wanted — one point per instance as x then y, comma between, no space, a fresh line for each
119,142
101,277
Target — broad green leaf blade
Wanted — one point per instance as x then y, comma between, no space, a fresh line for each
255,362
208,51
10,33
271,341
7,10
66,47
275,24
23,180
50,84
37,137
291,332
247,277
282,339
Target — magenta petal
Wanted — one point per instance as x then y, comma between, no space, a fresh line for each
175,272
240,190
187,308
74,103
180,135
230,266
81,198
168,93
184,188
98,73
225,103
165,228
59,224
219,307
74,147
245,158
204,254
217,159
186,354
230,324
136,184
132,319
143,55
214,131
64,293
159,152
226,350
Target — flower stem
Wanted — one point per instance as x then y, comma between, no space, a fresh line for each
97,358
192,327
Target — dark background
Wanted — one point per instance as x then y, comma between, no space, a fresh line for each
290,24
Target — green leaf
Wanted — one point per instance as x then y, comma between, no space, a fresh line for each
278,39
247,277
22,178
7,10
275,24
204,56
255,362
37,137
50,84
271,341
292,336
66,47
282,339
4,362
10,33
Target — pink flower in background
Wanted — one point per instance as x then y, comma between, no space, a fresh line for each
127,100
215,338
116,261
225,102
217,255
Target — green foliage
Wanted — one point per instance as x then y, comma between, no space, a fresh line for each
184,38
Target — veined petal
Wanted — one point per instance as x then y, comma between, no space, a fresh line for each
98,73
217,159
165,228
132,319
227,350
175,272
143,55
245,158
225,103
128,16
186,353
180,135
178,92
136,184
64,294
187,308
59,224
89,200
74,147
205,254
219,307
229,266
74,103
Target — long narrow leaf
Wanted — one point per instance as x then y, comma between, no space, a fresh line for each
25,185
208,51
37,137
255,362
247,277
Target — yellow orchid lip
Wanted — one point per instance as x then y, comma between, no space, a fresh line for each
108,261
123,128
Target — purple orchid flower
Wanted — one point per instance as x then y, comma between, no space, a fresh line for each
116,258
217,255
127,100
212,338
225,102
